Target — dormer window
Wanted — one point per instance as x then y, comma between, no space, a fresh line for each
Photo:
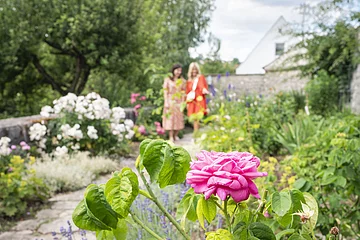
279,48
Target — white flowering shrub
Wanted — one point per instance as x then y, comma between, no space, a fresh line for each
70,173
82,123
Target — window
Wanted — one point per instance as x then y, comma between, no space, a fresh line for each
279,48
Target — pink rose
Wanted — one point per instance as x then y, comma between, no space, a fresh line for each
22,143
133,97
137,106
142,98
142,130
160,130
13,147
225,174
157,124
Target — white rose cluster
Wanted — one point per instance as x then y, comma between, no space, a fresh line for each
92,132
90,107
37,131
4,146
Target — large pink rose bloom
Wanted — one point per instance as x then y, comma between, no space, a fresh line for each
225,174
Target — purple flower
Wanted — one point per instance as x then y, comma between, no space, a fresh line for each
10,169
218,77
227,74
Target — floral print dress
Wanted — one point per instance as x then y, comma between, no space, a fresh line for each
174,96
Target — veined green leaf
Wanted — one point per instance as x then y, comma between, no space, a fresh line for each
121,191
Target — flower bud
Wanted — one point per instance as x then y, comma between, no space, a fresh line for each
334,231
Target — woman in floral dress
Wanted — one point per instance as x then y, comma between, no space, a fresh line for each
174,97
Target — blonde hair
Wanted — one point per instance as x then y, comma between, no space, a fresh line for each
192,65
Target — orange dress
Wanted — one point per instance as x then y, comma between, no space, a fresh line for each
174,91
199,103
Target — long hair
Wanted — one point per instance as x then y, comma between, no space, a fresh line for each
174,67
193,65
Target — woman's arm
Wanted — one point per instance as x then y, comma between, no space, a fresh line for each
166,93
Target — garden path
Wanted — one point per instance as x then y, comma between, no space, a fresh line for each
56,217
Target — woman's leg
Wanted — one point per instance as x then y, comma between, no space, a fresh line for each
171,135
196,126
176,132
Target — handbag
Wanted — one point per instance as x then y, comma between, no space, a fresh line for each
191,95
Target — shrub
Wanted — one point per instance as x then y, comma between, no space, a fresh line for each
19,186
323,93
72,172
83,123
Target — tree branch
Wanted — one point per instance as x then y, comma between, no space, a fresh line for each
59,48
47,76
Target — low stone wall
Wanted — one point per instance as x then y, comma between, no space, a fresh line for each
265,84
17,128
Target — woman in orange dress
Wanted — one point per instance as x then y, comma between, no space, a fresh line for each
174,96
196,103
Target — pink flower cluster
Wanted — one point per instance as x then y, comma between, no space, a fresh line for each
134,97
142,130
225,174
159,129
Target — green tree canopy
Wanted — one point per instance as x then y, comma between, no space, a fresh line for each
101,45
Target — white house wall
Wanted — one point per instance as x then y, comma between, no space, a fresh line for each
264,52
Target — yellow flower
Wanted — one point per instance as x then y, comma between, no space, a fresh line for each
32,160
272,160
199,98
291,180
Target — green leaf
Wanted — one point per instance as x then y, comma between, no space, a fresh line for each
328,179
153,157
281,203
261,231
120,232
207,209
121,190
297,198
199,213
299,183
311,202
98,207
240,231
296,236
187,207
165,164
82,219
284,233
340,181
285,220
220,234
176,169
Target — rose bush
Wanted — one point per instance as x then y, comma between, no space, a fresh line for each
107,208
82,123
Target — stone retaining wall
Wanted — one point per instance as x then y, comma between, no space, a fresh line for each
265,84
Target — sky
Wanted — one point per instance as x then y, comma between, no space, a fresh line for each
240,24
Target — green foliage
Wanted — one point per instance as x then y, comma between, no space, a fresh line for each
92,45
331,52
102,206
328,162
323,93
19,186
